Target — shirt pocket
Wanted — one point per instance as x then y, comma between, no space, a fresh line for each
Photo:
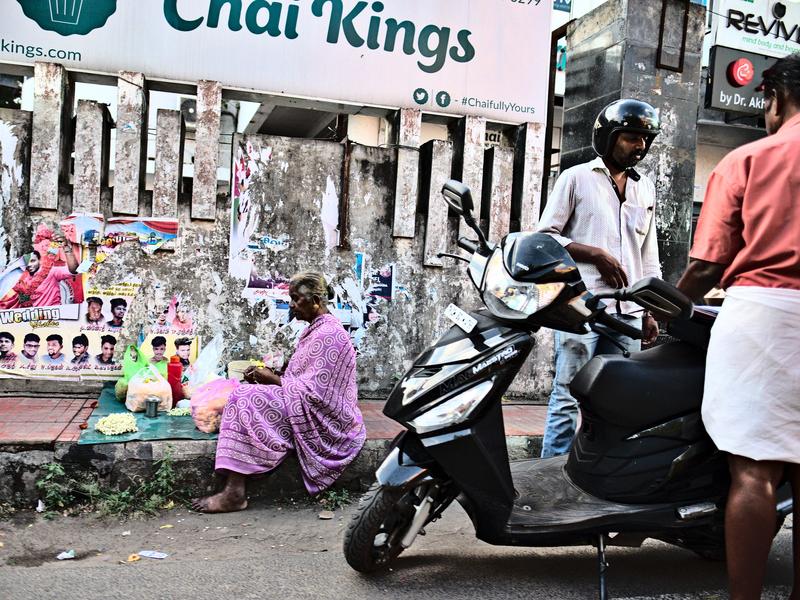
640,218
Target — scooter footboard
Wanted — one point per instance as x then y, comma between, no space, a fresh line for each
407,463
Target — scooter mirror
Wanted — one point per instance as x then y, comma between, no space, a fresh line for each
458,197
660,298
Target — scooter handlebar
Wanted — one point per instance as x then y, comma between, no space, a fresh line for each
468,245
620,326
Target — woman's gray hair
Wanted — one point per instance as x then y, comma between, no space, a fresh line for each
314,283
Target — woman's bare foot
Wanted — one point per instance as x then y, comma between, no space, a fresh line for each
220,503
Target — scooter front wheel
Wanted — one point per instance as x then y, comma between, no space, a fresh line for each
372,538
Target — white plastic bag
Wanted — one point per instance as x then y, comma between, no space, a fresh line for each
207,366
146,383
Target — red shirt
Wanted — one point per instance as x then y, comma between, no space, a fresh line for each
751,214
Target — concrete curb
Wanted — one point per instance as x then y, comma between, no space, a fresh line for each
120,464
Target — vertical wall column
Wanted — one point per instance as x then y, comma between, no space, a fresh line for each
206,156
468,162
409,129
169,162
436,160
131,147
498,174
15,154
51,114
92,140
529,176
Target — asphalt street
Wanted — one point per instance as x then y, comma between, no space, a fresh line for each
287,552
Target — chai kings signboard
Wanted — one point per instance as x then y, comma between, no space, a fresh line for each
734,77
477,57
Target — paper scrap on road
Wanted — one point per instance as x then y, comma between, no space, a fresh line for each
68,555
125,533
166,526
40,507
326,515
153,554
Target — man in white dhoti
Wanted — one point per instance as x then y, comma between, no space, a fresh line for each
748,240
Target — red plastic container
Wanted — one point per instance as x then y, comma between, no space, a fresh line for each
174,376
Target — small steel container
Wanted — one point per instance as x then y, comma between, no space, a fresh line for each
151,406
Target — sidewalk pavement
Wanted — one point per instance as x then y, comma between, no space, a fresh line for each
42,421
37,430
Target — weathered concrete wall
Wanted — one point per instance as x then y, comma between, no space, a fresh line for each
296,194
15,148
613,54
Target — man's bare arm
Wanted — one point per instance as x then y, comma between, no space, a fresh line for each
609,267
700,276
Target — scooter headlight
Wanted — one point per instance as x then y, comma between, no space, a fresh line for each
511,299
456,410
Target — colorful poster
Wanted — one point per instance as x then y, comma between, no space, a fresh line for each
152,234
71,341
382,283
177,319
55,322
157,347
47,276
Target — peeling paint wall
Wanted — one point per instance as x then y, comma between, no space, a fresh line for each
285,211
15,134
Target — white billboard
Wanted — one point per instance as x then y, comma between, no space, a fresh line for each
487,58
766,27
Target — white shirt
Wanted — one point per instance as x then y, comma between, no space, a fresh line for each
584,208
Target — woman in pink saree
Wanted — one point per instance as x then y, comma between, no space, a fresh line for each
311,409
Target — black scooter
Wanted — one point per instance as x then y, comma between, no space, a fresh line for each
641,464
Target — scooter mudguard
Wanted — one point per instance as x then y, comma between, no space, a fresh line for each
399,469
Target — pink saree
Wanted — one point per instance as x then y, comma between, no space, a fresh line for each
313,412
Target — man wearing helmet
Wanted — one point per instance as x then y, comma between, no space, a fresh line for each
603,213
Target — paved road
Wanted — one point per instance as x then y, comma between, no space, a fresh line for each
287,553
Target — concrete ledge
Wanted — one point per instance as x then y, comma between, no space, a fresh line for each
120,464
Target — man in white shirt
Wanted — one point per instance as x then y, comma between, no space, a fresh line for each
603,213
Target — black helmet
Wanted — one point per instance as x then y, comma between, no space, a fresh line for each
624,115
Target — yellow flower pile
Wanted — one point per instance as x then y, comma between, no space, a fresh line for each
117,424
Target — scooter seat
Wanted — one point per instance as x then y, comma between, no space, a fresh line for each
649,387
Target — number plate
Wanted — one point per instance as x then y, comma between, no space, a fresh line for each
460,318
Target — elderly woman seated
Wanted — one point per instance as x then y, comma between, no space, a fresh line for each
312,408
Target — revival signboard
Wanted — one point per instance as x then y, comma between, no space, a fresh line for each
763,27
477,57
734,78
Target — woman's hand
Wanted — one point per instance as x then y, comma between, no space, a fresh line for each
262,376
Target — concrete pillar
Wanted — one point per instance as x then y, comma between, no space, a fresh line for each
498,168
529,175
15,154
614,52
169,162
131,151
409,129
92,140
206,155
436,160
468,162
52,111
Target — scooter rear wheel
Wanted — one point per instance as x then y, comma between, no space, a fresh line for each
372,538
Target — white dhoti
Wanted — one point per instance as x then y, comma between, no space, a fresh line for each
751,401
